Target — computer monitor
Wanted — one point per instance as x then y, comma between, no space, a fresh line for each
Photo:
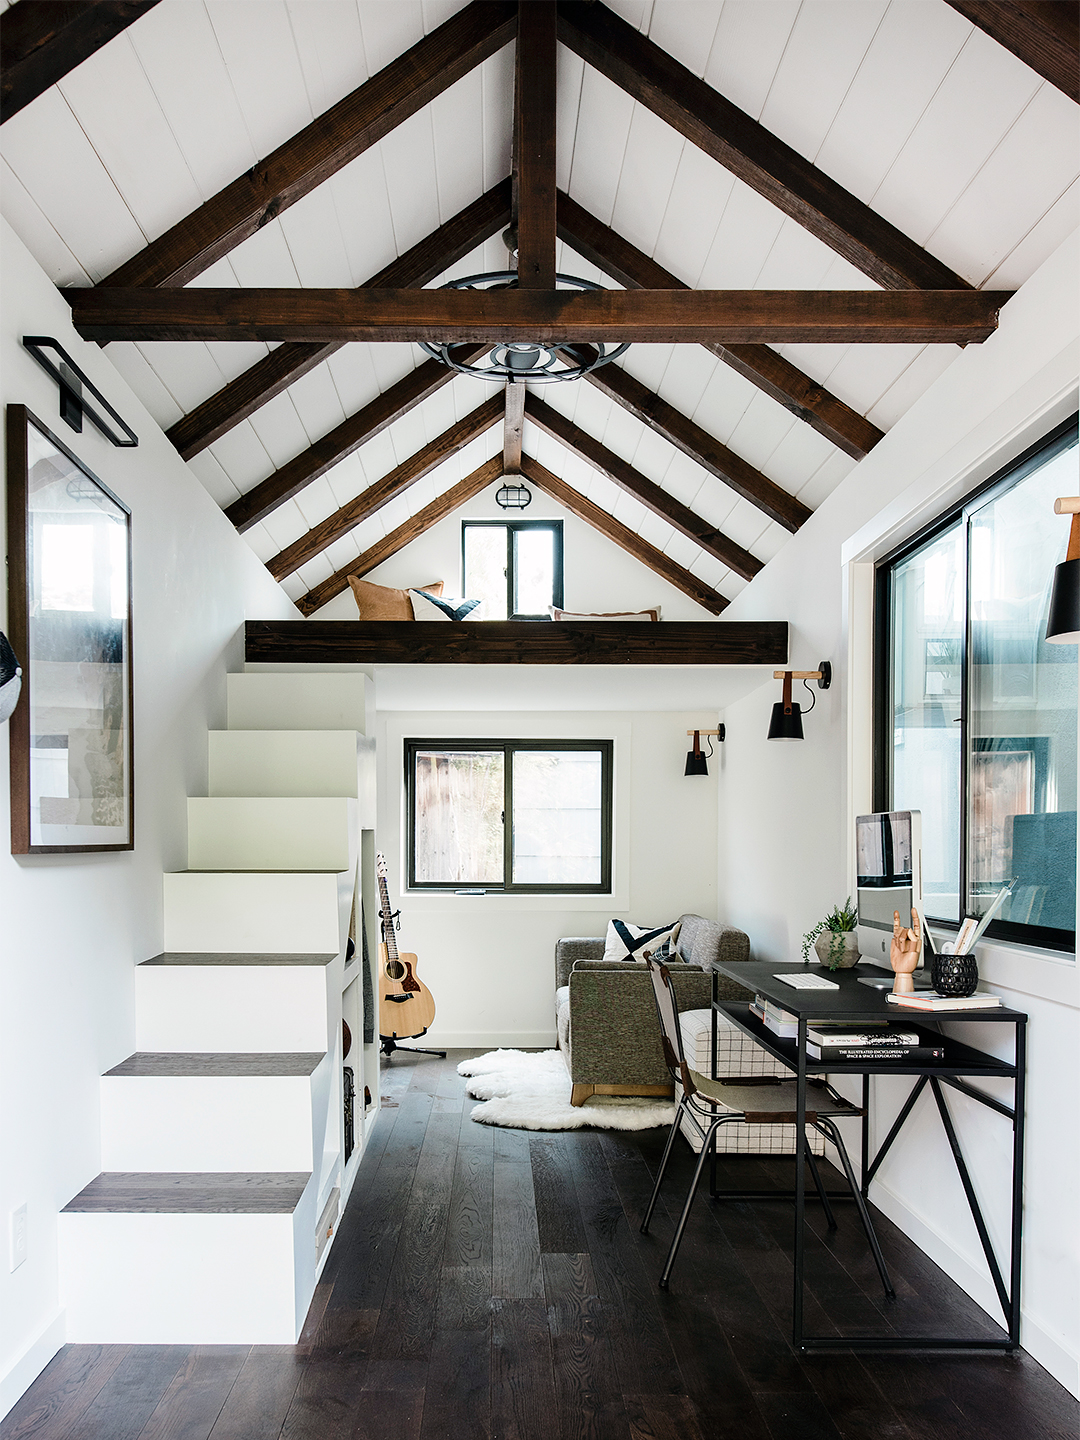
888,851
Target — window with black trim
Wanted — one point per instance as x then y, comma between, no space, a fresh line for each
975,714
514,566
511,815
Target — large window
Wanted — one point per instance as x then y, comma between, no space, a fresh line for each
976,713
514,566
515,815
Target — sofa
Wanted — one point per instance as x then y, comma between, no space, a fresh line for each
606,1014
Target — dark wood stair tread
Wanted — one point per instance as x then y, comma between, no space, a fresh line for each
192,1193
147,1063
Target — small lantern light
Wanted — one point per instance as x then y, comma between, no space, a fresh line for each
513,497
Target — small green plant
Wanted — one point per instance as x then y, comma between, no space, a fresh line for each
839,920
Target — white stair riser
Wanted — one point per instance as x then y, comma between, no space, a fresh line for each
283,762
152,1279
227,1123
301,701
257,913
271,833
249,1008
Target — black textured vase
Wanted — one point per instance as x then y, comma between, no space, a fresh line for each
955,974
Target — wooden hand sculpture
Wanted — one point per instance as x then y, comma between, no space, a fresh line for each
904,953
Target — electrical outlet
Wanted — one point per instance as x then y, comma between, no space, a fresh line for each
18,1237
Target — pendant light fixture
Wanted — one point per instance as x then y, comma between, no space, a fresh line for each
787,716
1063,625
696,762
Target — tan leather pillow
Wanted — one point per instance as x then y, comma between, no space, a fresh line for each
382,602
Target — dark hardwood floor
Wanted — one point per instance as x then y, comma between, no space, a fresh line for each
492,1285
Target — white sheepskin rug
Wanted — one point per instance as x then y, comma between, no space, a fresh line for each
526,1091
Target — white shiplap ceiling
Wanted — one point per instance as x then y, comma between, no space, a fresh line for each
904,102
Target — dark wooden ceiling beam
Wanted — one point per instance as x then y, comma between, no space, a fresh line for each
624,537
654,497
534,143
648,407
453,439
761,160
322,148
41,43
1044,34
561,317
278,370
317,459
513,427
410,530
764,368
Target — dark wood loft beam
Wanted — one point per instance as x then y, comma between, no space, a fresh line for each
516,642
645,405
453,439
534,144
1044,34
622,535
654,497
745,148
277,371
322,148
317,459
410,530
40,44
838,317
764,368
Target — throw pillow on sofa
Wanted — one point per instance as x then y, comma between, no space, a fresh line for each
383,602
633,942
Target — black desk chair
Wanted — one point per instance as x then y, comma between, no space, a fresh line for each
764,1100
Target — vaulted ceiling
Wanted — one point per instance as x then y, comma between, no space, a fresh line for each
253,201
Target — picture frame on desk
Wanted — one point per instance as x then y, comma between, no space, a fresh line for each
70,621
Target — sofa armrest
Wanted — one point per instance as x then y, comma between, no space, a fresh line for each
706,942
614,1030
572,949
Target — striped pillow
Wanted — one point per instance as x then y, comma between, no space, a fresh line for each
436,607
634,942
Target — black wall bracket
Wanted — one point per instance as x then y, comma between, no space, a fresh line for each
74,385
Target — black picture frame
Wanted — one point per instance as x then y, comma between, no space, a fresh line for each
70,622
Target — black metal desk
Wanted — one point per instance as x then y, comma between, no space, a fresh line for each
860,1003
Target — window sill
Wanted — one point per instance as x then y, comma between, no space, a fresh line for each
1025,970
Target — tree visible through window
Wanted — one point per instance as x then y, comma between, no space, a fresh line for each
510,815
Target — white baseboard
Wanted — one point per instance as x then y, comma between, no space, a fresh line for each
477,1040
28,1365
1062,1363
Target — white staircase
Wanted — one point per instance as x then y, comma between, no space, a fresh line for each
222,1144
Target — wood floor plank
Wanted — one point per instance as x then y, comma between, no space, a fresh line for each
797,1415
469,1224
515,1240
663,1417
522,1377
457,1400
128,1399
388,1415
63,1391
326,1402
191,1405
588,1401
558,1215
264,1390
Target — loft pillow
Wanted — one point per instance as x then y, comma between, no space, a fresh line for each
634,942
646,615
426,606
382,602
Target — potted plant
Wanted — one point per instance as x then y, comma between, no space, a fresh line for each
834,938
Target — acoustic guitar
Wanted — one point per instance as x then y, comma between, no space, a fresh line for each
406,1005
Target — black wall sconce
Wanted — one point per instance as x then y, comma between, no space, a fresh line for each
695,760
1063,626
74,385
786,722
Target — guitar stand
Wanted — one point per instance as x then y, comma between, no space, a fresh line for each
389,1045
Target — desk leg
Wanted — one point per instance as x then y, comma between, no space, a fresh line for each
864,1168
1020,1059
713,1068
800,1186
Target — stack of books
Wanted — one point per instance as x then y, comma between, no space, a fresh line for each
844,1043
931,1000
780,1021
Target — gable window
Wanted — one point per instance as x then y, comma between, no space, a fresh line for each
975,713
514,566
511,815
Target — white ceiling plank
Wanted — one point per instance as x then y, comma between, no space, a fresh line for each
686,31
688,373
700,192
330,48
362,207
714,502
457,120
604,121
174,43
746,232
133,365
311,231
367,533
233,357
770,542
723,402
395,513
279,430
317,402
628,511
799,453
914,380
569,70
25,216
652,455
377,457
347,479
647,363
315,571
656,531
683,551
1039,243
707,568
497,74
45,147
258,538
734,585
744,523
980,98
341,553
392,362
264,71
263,260
865,372
390,30
828,43
286,524
825,479
353,374
242,456
316,501
748,45
437,12
214,480
796,260
761,428
634,12
294,587
189,372
649,165
907,61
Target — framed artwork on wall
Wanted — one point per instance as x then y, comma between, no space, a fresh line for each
69,609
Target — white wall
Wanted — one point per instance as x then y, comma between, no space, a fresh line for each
786,810
489,961
74,927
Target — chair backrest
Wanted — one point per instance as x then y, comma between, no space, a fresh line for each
667,1008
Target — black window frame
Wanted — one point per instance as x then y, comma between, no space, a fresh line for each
508,747
1061,438
555,526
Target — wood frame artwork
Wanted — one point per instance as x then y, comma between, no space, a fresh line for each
69,608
